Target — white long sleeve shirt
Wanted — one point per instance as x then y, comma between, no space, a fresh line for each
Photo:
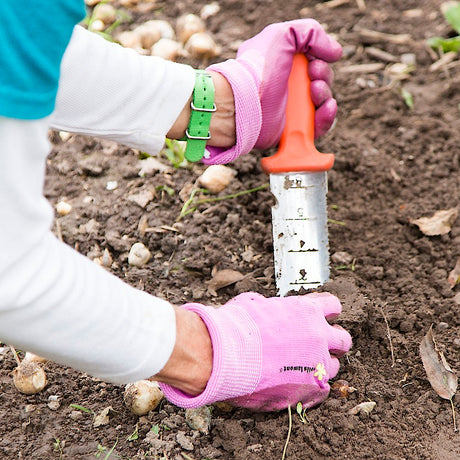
54,301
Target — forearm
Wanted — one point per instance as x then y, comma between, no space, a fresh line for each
56,302
112,92
108,91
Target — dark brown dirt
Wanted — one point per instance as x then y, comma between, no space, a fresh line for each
393,164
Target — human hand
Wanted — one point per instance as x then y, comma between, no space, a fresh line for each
259,76
269,353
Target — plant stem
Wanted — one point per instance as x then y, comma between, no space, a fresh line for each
185,209
235,195
289,433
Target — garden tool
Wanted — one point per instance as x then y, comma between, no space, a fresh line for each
298,181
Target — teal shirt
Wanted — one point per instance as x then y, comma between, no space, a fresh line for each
33,37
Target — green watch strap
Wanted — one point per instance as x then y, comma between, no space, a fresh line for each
202,106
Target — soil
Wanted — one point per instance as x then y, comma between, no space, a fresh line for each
393,164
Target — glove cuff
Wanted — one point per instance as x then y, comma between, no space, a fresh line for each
237,357
248,112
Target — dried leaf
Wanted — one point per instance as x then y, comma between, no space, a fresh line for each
454,275
440,375
103,417
365,407
440,223
223,278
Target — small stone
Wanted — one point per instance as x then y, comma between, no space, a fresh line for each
76,415
342,258
443,326
184,441
142,198
199,419
139,255
216,178
111,185
63,208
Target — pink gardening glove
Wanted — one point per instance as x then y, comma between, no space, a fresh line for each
258,77
269,353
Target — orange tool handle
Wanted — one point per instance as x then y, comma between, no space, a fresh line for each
297,151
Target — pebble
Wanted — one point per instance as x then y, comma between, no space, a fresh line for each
184,441
139,255
76,415
342,257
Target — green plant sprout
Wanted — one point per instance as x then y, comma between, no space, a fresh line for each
174,151
81,408
336,222
351,267
134,435
107,33
191,204
58,446
445,45
101,449
407,98
165,188
302,413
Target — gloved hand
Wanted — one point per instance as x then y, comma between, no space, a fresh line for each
258,77
269,353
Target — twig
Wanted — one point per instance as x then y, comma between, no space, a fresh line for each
446,58
389,337
289,433
380,54
376,36
362,68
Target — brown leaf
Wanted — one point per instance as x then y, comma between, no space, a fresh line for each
440,223
103,417
454,275
223,278
440,375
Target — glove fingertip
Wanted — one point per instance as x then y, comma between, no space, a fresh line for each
334,367
324,117
320,92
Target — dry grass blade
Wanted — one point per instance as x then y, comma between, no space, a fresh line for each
440,375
